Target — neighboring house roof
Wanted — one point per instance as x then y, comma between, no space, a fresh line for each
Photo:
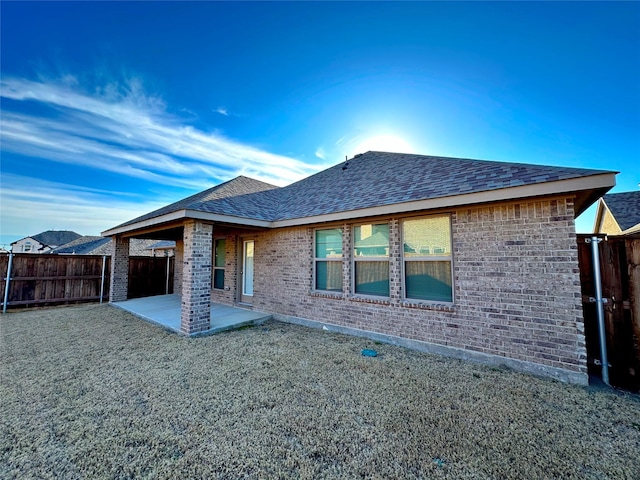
162,245
625,208
94,245
380,182
87,245
53,237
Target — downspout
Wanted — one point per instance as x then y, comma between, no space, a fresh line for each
595,257
6,284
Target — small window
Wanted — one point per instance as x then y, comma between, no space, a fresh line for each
427,259
26,247
219,255
371,259
328,260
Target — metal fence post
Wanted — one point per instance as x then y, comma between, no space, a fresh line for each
104,264
599,307
166,287
6,285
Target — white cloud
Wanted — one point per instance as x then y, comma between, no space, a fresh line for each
30,206
222,111
121,129
320,153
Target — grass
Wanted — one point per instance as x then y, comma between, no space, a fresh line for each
93,392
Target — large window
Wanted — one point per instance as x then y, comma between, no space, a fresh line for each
328,260
427,259
371,259
219,247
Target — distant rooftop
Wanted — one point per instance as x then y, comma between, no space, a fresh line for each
625,207
54,237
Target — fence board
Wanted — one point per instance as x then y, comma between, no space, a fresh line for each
633,270
621,323
148,276
41,279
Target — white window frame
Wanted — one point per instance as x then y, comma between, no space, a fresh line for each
355,258
430,258
213,264
317,259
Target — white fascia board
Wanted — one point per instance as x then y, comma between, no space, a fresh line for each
606,180
184,214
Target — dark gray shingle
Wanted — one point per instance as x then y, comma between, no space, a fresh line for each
87,245
56,237
372,179
625,207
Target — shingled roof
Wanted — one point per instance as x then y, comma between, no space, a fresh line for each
87,245
54,238
625,208
235,188
376,179
369,180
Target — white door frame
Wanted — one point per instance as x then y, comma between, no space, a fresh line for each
247,257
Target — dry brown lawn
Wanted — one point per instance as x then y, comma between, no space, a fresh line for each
93,392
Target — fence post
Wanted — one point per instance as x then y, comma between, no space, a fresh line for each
595,256
104,264
166,286
6,284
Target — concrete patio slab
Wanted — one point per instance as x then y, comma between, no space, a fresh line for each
164,310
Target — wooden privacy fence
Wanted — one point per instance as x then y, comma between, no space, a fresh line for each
40,279
619,259
150,276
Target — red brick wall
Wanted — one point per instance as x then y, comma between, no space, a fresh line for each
516,286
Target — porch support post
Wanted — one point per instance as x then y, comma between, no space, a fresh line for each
196,277
119,269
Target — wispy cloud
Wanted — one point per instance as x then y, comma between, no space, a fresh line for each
119,128
320,153
34,205
222,111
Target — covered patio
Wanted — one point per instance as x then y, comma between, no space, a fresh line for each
165,310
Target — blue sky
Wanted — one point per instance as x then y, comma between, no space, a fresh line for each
110,110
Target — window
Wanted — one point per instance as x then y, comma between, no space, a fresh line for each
328,260
219,246
427,259
371,259
26,247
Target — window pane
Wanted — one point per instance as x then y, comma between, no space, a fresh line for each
428,281
329,243
371,240
218,278
372,278
329,276
427,236
220,252
247,274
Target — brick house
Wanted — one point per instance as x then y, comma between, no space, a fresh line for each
44,242
467,258
618,214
